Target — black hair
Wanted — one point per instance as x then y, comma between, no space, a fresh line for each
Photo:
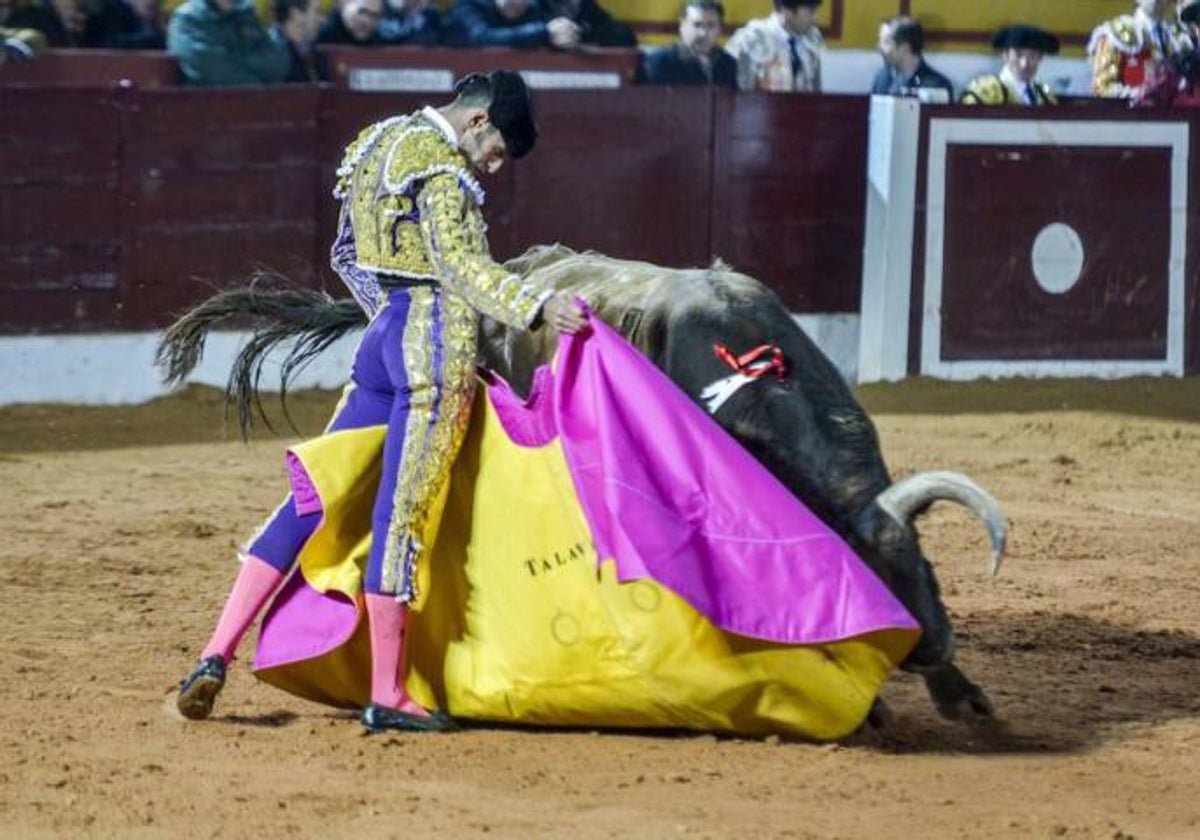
795,4
703,6
509,106
906,30
282,9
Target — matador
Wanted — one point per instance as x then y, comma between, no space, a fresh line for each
411,248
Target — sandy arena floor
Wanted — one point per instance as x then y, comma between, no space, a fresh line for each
119,528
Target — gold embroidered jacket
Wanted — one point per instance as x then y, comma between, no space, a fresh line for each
1124,51
411,211
995,89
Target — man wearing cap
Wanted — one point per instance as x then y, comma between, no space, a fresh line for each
1023,48
1126,49
781,52
410,246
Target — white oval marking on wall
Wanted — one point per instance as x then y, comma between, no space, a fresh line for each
1057,258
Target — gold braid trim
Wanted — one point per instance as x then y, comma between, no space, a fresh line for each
453,232
986,90
1108,66
445,437
402,543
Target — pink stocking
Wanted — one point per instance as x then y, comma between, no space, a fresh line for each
387,618
255,584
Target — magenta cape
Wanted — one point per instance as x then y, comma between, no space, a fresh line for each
668,494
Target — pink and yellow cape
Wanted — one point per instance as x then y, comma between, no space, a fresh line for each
608,557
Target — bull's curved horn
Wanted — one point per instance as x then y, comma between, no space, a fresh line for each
902,500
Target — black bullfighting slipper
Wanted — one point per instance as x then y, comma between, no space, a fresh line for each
199,689
376,718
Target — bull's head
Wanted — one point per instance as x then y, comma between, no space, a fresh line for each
892,548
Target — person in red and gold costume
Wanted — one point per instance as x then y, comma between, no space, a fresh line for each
1126,50
1176,82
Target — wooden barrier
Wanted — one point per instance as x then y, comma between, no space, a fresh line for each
145,199
150,69
434,69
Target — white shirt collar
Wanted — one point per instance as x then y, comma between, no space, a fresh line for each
1016,85
441,124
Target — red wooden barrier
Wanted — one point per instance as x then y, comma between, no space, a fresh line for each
132,208
149,69
433,69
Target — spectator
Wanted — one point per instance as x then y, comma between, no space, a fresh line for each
18,45
696,59
221,42
295,29
564,24
106,24
1126,49
1189,21
411,22
61,22
1023,48
905,71
353,22
1176,82
781,52
597,28
123,25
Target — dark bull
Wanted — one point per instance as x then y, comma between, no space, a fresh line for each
806,427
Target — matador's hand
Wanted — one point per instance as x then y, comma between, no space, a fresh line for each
562,314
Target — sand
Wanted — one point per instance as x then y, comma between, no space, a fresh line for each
119,530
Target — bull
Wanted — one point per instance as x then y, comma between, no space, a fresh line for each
805,426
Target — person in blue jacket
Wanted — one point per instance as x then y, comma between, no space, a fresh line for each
564,24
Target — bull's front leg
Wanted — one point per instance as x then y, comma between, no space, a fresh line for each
957,698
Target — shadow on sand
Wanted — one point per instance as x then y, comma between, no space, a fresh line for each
1060,684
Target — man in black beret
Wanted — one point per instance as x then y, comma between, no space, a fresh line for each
1023,48
411,248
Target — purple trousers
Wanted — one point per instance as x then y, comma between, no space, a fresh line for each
414,372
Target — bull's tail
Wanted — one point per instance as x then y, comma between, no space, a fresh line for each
307,321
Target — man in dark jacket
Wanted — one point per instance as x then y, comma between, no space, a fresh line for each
696,59
411,22
905,72
104,24
564,24
221,42
354,23
295,28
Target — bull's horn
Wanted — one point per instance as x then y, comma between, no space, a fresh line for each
902,500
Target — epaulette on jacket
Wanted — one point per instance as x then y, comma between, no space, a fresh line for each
358,149
989,90
1122,33
418,152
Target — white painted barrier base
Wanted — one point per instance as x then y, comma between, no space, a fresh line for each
118,368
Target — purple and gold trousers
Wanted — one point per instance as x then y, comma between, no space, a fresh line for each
414,372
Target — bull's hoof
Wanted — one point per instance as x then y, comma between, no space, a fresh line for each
959,699
880,716
975,709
